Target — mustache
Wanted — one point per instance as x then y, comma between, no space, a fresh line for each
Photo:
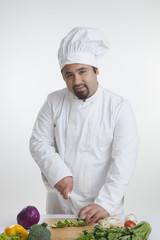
79,85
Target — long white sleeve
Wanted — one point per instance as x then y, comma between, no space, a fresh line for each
123,159
43,146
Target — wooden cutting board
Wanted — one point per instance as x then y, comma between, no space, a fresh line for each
66,233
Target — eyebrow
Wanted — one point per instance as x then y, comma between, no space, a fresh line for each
82,68
79,69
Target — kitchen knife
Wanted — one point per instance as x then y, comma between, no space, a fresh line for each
72,204
74,209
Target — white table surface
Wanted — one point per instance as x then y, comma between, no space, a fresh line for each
154,221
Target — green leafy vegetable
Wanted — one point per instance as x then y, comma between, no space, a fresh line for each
139,232
16,236
3,236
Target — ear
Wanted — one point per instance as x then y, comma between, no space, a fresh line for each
97,71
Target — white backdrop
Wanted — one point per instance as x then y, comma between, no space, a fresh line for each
30,33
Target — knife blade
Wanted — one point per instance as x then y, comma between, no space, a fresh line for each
72,204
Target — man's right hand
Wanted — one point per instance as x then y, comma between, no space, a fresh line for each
65,186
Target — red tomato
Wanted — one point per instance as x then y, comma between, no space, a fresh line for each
129,223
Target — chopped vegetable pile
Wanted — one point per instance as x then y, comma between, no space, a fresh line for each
61,224
139,232
69,223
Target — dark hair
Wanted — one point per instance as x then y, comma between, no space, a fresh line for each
94,69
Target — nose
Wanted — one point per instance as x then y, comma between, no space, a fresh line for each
77,79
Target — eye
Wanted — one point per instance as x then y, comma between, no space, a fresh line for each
69,75
82,72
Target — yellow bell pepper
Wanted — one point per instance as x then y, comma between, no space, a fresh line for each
13,229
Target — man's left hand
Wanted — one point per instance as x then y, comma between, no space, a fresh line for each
93,213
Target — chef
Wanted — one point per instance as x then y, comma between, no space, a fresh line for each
85,138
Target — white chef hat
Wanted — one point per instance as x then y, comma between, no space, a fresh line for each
82,45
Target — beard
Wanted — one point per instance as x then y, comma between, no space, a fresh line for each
81,94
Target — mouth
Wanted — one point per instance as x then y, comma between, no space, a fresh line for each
79,88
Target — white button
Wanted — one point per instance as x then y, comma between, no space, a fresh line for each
69,144
71,122
86,165
90,122
88,146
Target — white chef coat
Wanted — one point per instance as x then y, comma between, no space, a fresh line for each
95,141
